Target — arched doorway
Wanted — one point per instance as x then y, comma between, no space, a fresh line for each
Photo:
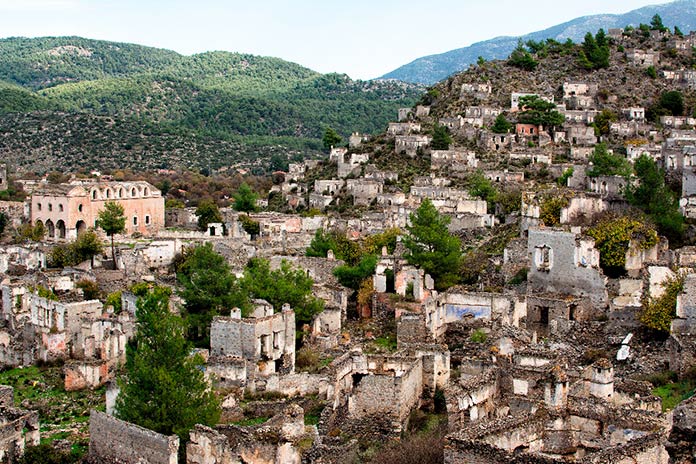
60,225
51,228
80,227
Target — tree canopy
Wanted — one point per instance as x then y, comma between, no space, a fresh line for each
539,112
595,51
432,247
330,138
605,163
521,58
612,237
501,125
113,221
208,288
85,247
654,197
285,285
207,212
164,388
441,138
245,199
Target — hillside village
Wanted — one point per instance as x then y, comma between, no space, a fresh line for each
566,332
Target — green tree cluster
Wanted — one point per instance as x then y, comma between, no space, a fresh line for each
480,186
250,226
360,257
656,24
207,212
614,234
605,163
521,58
164,388
539,112
595,51
25,232
550,209
603,120
432,247
670,103
330,138
441,138
654,197
209,289
285,285
245,199
501,125
83,248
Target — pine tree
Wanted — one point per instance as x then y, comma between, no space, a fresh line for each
441,138
432,247
113,221
164,389
245,199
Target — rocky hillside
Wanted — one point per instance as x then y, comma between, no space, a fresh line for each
622,84
431,69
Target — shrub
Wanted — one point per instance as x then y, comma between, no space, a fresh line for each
114,300
90,289
550,210
613,236
657,313
479,336
250,226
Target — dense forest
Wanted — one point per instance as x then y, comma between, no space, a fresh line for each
230,97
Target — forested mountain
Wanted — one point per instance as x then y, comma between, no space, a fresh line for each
431,69
238,98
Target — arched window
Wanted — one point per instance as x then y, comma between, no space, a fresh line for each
147,219
134,192
38,206
146,192
94,194
79,207
135,220
50,207
60,207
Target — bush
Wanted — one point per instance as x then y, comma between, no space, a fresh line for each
250,226
90,289
479,336
657,313
425,448
114,300
613,236
47,454
550,210
306,359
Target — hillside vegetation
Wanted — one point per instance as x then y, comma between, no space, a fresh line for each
231,98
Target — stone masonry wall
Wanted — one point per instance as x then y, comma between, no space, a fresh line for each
114,439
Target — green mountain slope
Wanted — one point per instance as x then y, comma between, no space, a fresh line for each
221,95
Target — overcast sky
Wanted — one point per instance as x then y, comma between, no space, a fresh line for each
362,38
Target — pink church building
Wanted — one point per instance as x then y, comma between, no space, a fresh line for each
68,209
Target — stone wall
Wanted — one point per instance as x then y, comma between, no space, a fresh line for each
565,263
114,439
18,428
